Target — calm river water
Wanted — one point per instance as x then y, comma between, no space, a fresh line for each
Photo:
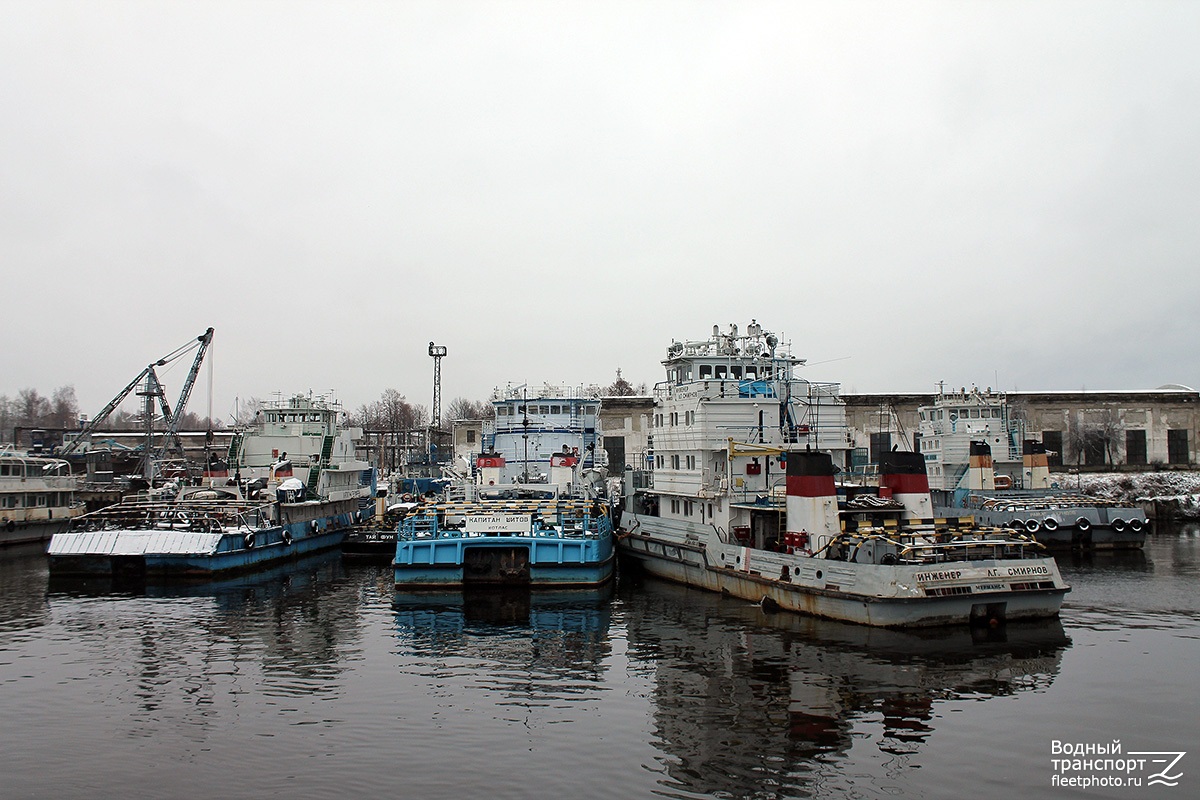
320,682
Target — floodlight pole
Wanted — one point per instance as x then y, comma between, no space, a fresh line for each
437,353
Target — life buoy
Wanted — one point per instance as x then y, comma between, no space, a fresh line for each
1083,524
1118,524
406,498
249,540
1135,525
1002,482
286,538
1032,525
1050,524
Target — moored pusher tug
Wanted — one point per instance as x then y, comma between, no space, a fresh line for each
511,524
1012,485
710,515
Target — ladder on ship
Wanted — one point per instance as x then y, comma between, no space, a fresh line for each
235,445
314,472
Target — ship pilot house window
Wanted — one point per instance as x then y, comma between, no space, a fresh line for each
721,372
705,371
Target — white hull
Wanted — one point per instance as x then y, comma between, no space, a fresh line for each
867,594
39,531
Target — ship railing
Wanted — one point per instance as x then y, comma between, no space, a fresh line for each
936,549
565,524
1046,502
207,516
978,550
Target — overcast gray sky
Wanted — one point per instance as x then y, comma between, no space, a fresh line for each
994,193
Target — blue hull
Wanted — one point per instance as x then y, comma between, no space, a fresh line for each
503,560
240,560
235,552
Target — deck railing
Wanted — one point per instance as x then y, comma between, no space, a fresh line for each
562,524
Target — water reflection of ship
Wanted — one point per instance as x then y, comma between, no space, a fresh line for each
285,629
23,587
1085,561
748,698
556,629
307,571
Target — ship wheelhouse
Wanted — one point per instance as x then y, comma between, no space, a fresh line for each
729,408
536,431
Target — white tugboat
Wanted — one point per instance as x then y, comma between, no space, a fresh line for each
297,488
742,500
982,464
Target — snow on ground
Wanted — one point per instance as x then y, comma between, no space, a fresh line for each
1182,488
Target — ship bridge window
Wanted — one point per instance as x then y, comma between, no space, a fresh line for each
5,469
974,413
543,409
502,411
555,409
736,372
751,374
705,371
722,372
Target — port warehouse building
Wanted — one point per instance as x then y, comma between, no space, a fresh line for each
1088,430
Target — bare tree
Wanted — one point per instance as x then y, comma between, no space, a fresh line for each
1110,432
7,415
1100,438
64,408
32,408
247,410
462,408
1076,439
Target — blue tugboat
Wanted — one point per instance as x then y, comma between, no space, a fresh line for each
537,542
533,512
